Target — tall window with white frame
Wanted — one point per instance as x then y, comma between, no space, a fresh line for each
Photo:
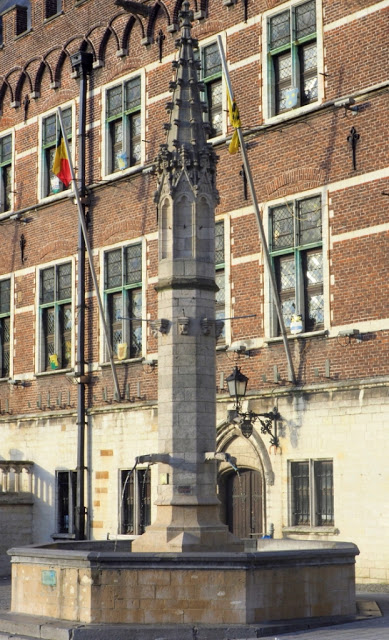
220,277
5,327
123,125
51,184
123,299
6,173
312,493
135,507
297,256
212,79
66,482
56,317
292,57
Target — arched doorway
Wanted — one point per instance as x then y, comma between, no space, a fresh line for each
242,499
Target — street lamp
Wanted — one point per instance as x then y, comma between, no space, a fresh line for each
237,386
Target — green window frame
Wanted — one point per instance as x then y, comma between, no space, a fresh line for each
312,493
211,68
50,132
220,277
124,300
5,327
292,57
123,125
296,250
6,173
55,308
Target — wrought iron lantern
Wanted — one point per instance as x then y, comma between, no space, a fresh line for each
237,386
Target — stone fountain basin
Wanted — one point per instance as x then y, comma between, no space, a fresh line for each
104,582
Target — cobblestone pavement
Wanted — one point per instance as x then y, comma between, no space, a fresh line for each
372,629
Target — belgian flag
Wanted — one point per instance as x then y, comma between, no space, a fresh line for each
61,167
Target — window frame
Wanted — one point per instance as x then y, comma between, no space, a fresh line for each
294,45
126,290
47,151
126,114
63,531
130,491
42,366
7,174
52,8
299,251
4,316
312,501
209,82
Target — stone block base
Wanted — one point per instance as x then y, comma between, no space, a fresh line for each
188,588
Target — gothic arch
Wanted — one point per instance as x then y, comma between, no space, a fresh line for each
109,33
227,432
158,7
44,65
3,90
24,76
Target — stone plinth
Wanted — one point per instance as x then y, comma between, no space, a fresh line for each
75,582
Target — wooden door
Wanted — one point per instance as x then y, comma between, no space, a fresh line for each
244,501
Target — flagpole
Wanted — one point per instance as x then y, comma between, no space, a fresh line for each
89,251
250,182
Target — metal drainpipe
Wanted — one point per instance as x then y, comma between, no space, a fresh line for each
82,63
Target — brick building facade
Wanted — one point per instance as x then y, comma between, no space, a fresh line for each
311,81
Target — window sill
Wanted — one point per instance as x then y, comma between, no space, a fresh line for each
63,536
105,365
42,374
22,35
68,193
293,113
128,171
50,18
306,530
297,336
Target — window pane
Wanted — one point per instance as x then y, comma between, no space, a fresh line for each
47,285
308,73
5,296
215,106
133,264
135,124
219,243
127,506
113,269
280,30
50,129
114,101
324,484
135,311
313,278
144,492
300,493
118,155
309,216
283,80
64,281
7,190
48,320
65,312
133,94
212,62
115,310
5,351
305,19
282,227
6,149
287,277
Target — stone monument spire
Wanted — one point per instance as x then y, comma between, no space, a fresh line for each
187,504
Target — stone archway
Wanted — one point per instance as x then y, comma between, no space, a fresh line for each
243,495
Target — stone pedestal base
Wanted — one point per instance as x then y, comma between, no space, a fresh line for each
187,528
